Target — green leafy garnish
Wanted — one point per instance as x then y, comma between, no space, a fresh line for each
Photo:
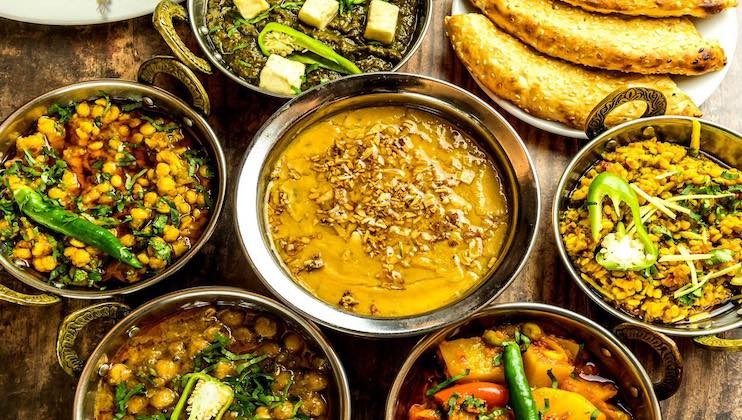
728,175
159,127
720,256
63,112
123,395
446,383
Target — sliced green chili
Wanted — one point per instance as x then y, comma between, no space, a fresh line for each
308,43
618,190
521,397
56,218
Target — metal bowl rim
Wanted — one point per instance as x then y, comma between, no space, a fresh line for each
423,345
567,261
221,190
196,293
414,46
385,327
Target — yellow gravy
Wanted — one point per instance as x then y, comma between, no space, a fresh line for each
386,211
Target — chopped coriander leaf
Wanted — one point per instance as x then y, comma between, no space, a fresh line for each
720,256
63,112
159,127
123,395
728,175
131,106
446,383
130,180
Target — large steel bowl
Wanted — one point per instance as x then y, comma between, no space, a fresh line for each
459,107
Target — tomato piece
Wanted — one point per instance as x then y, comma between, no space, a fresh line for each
495,395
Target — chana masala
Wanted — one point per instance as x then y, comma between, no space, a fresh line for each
386,211
527,370
101,194
216,361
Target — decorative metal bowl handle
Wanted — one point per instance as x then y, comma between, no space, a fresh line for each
162,19
713,342
655,100
672,361
9,295
71,326
169,65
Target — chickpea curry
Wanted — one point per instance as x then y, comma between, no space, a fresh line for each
516,371
216,362
386,211
100,194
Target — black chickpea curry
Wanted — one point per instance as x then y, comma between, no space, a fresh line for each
100,194
524,371
216,362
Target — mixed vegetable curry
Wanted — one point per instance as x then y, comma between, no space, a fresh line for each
524,371
386,211
289,46
100,194
216,362
668,246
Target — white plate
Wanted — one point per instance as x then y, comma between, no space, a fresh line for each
722,27
74,12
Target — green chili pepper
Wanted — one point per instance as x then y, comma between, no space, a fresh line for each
206,396
308,43
56,218
317,61
521,398
618,190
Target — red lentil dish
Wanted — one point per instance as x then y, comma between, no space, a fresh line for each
668,249
525,371
100,194
386,211
287,46
216,362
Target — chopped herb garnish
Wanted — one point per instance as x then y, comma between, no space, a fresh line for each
728,175
159,127
123,395
63,112
131,106
446,383
130,180
720,256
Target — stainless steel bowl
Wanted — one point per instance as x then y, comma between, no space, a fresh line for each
641,395
154,99
718,143
459,107
196,16
158,308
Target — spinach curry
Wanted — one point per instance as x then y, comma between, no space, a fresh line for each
235,37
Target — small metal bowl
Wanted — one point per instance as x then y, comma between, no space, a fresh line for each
163,306
166,11
459,107
717,143
152,98
616,361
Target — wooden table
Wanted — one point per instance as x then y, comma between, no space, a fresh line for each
35,59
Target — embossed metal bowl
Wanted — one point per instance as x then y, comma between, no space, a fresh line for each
462,109
152,98
169,304
196,16
717,143
616,360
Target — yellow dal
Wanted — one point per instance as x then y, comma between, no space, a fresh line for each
419,258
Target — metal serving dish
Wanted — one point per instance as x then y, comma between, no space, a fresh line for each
153,98
167,10
640,394
166,305
459,107
717,143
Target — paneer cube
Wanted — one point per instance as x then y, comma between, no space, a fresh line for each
281,75
318,13
382,21
251,8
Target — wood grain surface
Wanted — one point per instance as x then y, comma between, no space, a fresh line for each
35,59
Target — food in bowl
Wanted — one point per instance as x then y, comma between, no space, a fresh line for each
527,370
287,47
386,211
667,250
101,194
217,362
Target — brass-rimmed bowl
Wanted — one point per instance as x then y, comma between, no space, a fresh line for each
97,363
465,111
153,99
616,360
196,12
719,144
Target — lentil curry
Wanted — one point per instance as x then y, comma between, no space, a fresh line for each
526,371
266,369
386,211
691,206
236,38
99,169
